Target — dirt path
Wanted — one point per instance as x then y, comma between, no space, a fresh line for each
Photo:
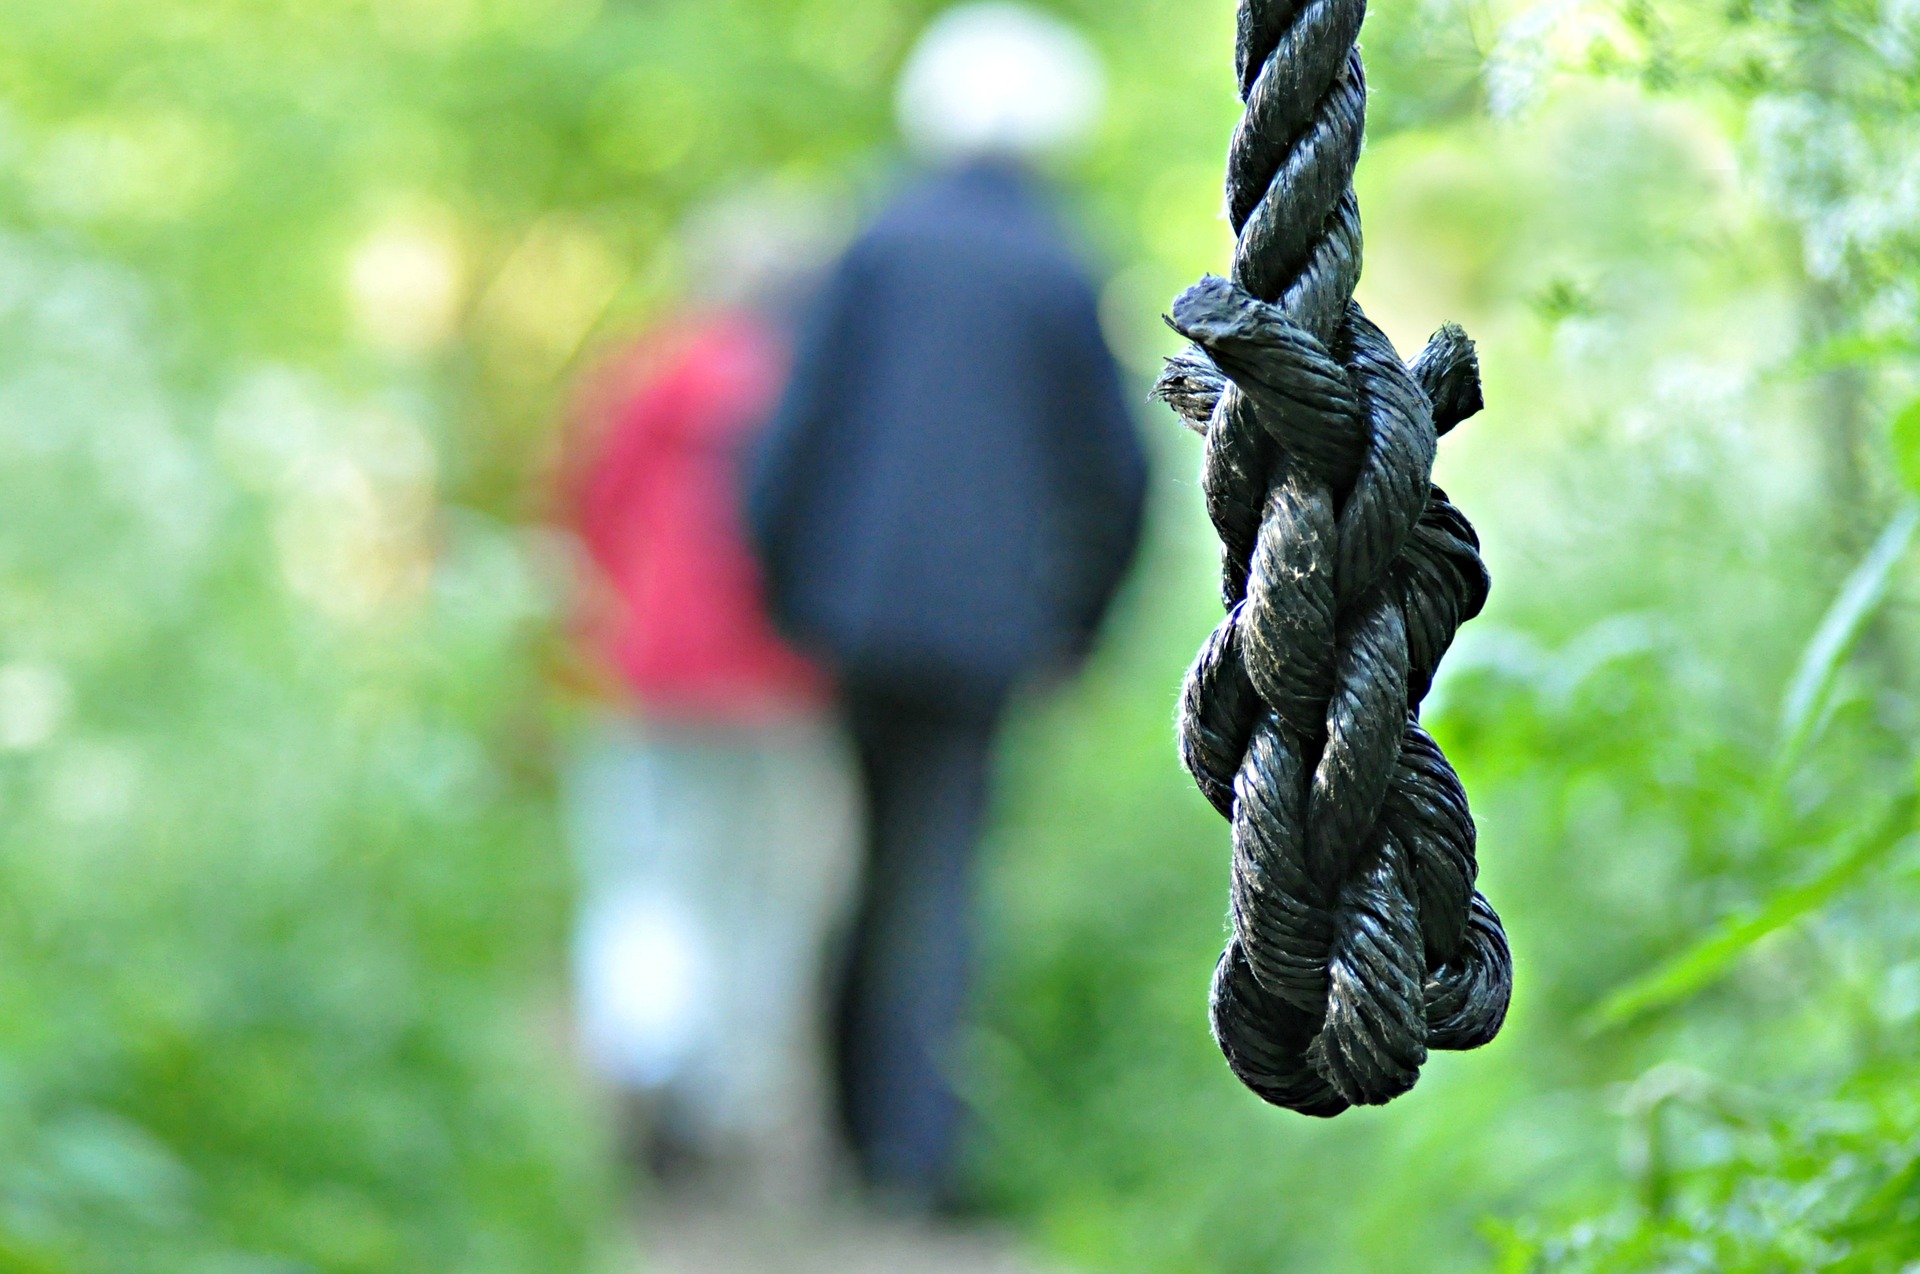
688,1240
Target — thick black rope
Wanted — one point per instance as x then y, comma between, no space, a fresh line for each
1359,941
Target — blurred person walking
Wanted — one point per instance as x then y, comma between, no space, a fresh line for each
945,504
712,807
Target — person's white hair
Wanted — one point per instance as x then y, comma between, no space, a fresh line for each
999,79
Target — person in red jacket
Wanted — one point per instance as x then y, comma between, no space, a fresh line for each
657,512
712,804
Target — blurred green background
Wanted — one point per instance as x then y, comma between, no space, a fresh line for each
291,295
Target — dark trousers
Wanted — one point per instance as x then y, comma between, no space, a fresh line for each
926,770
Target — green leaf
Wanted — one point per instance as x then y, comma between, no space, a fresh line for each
1906,444
1860,597
1852,349
1704,963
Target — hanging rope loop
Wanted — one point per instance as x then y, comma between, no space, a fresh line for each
1359,941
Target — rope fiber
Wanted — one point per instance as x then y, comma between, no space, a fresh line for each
1358,939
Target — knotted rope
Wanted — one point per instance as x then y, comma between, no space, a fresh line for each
1359,941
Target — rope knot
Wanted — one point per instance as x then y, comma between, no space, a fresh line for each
1359,941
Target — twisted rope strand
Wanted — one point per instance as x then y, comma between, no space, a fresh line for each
1358,939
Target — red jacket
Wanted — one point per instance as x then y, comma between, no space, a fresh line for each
656,503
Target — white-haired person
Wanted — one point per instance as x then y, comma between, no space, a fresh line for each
945,503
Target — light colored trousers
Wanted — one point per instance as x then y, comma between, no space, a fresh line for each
717,866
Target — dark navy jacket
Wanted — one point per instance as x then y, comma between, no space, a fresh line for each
951,489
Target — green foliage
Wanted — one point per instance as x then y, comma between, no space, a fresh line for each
1691,971
278,907
1827,1186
